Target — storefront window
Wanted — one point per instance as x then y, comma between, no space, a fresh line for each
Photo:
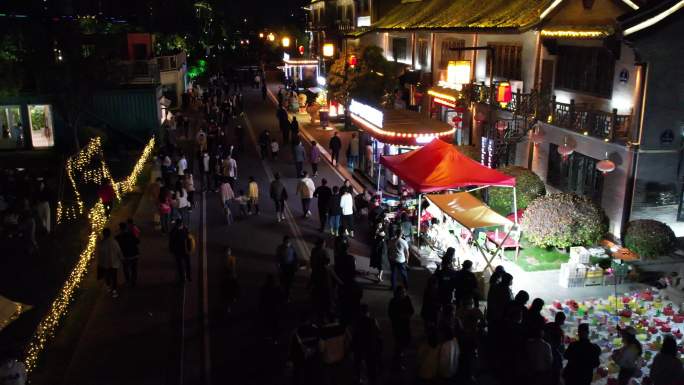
576,174
12,131
42,133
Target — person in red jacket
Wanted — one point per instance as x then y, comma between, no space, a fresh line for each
106,194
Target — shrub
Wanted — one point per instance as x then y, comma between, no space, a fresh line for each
648,238
563,220
529,187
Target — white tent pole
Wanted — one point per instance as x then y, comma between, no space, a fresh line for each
515,207
377,189
420,206
478,188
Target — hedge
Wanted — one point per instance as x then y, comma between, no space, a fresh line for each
649,238
562,220
529,187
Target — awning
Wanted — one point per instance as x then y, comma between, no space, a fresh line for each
468,210
440,166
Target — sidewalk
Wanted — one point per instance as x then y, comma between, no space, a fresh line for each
314,131
133,336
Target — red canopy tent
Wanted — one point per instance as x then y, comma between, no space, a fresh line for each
440,166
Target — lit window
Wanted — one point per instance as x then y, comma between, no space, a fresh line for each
42,130
12,135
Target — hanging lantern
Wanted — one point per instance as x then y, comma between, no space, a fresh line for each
352,61
480,117
456,119
606,165
328,49
566,149
301,49
504,93
501,126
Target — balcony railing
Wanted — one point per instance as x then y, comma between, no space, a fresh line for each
344,25
578,117
171,62
139,72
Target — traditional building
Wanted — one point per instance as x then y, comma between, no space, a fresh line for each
546,84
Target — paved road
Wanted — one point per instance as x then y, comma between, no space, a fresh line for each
237,351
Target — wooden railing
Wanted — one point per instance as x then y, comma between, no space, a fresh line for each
578,117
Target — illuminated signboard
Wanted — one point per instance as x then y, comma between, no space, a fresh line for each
363,21
367,113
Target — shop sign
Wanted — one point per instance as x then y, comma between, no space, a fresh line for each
367,113
363,21
286,56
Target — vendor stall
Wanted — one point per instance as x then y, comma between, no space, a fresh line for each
461,222
300,71
391,132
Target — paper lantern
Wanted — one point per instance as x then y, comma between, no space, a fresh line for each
352,61
504,93
286,42
566,149
458,72
328,49
606,165
456,119
301,49
261,35
271,37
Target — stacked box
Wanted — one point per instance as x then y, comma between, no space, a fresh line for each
572,275
579,254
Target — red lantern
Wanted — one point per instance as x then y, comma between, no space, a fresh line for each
352,61
566,149
504,93
301,49
606,165
457,119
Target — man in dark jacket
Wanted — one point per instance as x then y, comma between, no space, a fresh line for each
294,130
278,193
335,211
335,146
284,122
323,193
286,260
466,282
583,358
178,244
128,243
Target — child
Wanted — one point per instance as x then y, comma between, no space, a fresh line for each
232,285
243,200
274,149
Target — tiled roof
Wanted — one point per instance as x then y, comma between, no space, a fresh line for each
463,14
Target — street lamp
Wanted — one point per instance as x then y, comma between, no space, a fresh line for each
261,35
271,37
286,42
328,50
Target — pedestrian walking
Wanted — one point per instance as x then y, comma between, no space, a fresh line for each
206,171
366,345
286,259
284,122
294,129
227,195
232,286
181,246
379,250
400,311
253,195
353,151
128,243
467,286
106,194
264,143
666,368
398,254
278,193
335,211
305,191
347,206
230,169
299,155
189,184
182,165
109,257
181,203
133,228
201,139
314,158
42,207
335,145
164,201
627,357
275,148
323,193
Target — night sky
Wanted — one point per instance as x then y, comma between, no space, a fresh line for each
267,12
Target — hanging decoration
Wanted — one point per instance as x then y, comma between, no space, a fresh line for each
566,149
504,94
606,165
537,136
